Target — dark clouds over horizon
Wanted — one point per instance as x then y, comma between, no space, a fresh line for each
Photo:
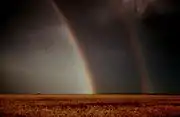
30,29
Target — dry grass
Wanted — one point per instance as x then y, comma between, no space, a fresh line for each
90,106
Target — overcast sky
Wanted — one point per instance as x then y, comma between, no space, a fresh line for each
36,55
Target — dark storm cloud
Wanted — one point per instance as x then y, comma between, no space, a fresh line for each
107,45
102,31
162,50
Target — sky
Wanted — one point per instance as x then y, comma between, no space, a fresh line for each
87,47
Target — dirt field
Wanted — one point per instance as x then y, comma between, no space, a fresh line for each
89,106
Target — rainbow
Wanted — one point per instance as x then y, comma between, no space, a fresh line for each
80,53
146,85
74,43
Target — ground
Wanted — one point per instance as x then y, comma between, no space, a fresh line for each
89,105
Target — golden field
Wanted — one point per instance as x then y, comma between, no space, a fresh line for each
89,106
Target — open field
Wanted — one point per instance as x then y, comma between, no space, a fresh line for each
89,106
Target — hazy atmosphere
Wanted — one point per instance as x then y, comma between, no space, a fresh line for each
86,47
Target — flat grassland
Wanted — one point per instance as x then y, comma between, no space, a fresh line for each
89,106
